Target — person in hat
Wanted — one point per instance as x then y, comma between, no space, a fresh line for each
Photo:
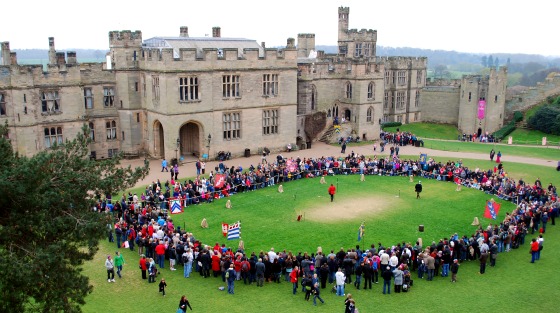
418,189
454,270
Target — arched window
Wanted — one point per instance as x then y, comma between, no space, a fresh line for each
111,127
371,91
348,90
369,115
91,131
313,97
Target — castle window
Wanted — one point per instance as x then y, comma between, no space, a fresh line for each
495,98
50,102
2,104
369,115
313,97
111,128
348,90
371,91
399,118
401,79
387,77
91,131
358,50
188,89
367,49
270,122
470,96
113,152
400,99
386,100
394,77
393,97
270,85
155,89
108,96
88,98
231,124
53,136
230,86
417,99
419,77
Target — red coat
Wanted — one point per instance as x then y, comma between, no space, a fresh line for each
143,264
160,249
332,190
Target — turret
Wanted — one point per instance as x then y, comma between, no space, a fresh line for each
305,44
6,59
52,52
343,22
125,48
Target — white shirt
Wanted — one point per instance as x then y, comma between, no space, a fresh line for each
394,261
340,278
271,256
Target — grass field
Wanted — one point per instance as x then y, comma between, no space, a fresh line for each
391,214
546,153
533,137
428,130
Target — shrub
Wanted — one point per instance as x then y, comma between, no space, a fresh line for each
504,131
546,119
391,124
517,116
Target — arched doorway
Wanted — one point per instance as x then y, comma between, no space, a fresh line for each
189,139
347,114
159,143
479,132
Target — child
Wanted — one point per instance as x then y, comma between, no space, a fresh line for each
162,285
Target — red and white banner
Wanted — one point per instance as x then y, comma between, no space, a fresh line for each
219,180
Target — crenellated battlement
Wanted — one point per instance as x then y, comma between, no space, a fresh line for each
125,38
362,31
155,55
306,35
398,61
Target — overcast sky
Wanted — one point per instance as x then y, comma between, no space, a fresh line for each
476,26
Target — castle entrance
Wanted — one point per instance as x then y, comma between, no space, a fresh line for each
479,133
159,143
189,140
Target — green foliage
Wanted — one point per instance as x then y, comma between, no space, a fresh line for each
504,131
390,124
546,119
517,116
47,225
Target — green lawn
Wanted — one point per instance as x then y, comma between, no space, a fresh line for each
268,219
547,153
428,130
533,137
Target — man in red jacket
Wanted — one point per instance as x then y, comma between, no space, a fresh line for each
143,266
332,191
160,254
534,249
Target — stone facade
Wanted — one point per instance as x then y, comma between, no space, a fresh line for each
190,96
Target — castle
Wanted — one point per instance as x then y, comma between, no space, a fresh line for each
168,97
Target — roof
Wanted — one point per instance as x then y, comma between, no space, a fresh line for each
200,43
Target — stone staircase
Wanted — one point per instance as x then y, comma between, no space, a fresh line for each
327,135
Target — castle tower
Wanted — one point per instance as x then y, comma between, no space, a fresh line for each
305,44
125,48
343,22
482,102
52,52
216,32
6,59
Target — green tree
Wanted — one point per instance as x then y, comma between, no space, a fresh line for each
47,225
546,119
484,61
490,61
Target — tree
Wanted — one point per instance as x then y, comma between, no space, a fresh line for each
484,61
490,61
47,225
496,62
441,71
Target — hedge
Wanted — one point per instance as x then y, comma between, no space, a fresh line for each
391,124
504,131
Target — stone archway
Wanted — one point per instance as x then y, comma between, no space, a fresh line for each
189,140
159,140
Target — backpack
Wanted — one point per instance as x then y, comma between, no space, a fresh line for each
374,266
227,274
245,267
185,258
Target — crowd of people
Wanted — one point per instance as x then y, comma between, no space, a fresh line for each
143,222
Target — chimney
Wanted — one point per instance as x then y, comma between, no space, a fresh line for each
6,59
184,31
291,43
216,32
13,58
71,56
60,59
263,45
320,54
52,51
